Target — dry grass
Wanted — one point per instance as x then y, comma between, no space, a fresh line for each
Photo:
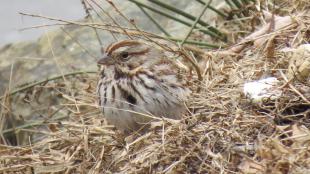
223,132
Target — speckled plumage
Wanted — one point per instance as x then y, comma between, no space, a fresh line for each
138,80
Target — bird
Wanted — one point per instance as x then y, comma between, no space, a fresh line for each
139,83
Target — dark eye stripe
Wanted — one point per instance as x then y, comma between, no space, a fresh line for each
124,54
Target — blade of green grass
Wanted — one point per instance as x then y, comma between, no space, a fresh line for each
154,21
195,23
237,3
217,33
213,9
231,5
173,18
245,2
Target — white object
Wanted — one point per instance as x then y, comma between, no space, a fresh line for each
261,90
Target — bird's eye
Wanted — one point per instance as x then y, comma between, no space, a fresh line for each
124,55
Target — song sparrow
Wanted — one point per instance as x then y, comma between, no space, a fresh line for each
138,82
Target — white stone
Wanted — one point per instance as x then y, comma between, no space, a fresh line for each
263,89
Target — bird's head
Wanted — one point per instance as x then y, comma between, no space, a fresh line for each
130,54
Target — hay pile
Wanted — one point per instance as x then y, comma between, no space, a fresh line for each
224,131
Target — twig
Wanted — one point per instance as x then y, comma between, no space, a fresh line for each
54,55
215,32
66,22
146,37
11,76
137,28
115,27
195,65
31,124
92,20
102,20
188,34
154,21
171,17
114,21
46,80
195,23
76,41
294,89
195,42
41,26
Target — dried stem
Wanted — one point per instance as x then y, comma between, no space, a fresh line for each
195,23
154,21
76,41
114,21
171,17
46,80
215,32
92,20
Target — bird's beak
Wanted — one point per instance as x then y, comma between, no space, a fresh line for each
105,60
